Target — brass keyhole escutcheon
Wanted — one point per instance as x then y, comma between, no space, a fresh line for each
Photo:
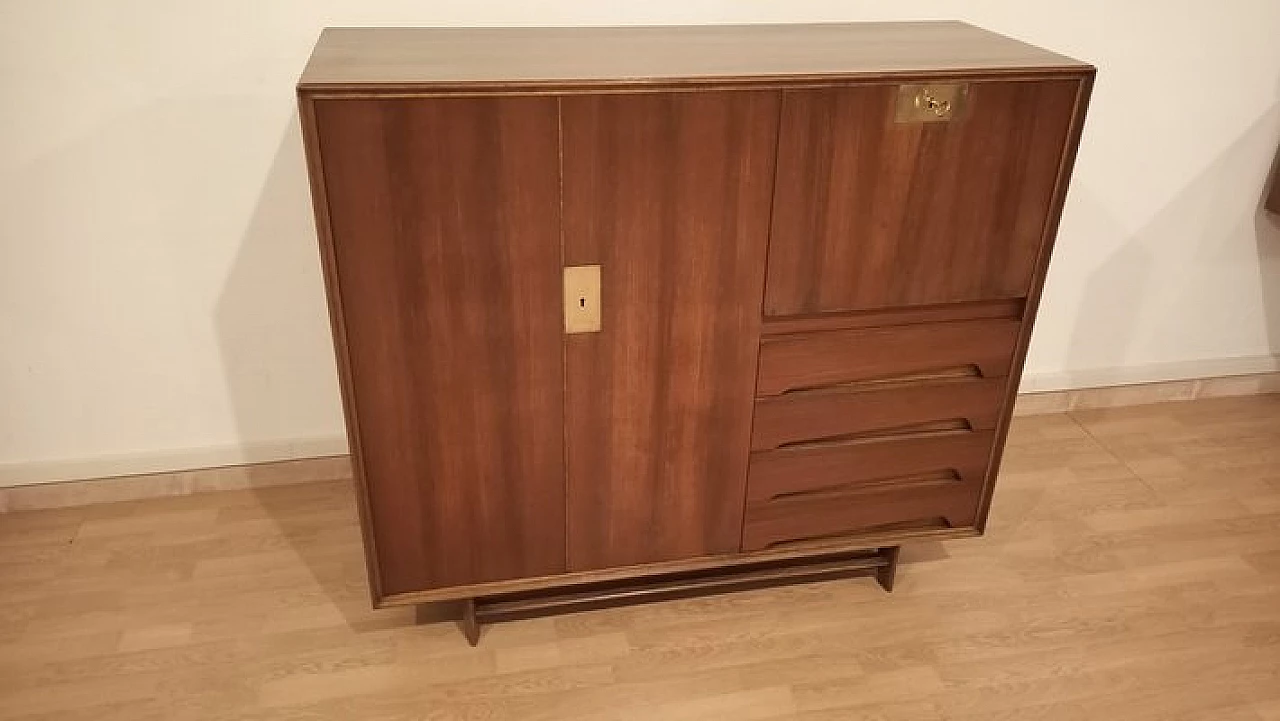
940,108
930,103
582,299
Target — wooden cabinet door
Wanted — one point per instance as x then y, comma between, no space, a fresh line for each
445,269
669,193
873,213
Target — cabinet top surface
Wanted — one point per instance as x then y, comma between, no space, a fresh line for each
638,54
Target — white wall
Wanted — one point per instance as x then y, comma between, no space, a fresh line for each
160,294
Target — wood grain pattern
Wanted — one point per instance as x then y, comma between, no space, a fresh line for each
1080,106
861,541
809,360
1009,308
808,493
803,519
798,417
1131,570
337,324
653,413
732,579
870,213
445,241
862,465
514,57
669,194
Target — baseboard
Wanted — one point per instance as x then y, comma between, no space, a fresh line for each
25,490
175,483
1030,404
170,461
1093,378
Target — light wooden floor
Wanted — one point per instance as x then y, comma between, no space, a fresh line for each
1131,571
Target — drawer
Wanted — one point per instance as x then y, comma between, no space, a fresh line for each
800,520
801,494
808,361
947,458
919,480
970,403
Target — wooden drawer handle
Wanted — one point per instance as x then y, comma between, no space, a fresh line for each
944,477
942,375
932,429
938,523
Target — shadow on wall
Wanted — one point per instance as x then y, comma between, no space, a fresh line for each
1267,233
1140,297
272,323
1114,291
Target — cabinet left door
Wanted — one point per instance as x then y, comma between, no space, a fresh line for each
444,274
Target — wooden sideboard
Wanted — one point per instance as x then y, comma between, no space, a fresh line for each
651,304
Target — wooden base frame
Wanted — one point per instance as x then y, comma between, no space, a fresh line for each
882,563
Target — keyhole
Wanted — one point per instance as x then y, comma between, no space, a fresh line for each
582,302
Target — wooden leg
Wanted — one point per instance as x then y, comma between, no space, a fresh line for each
880,562
470,626
886,573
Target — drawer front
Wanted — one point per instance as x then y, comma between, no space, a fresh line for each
872,212
949,458
797,494
801,520
845,414
816,360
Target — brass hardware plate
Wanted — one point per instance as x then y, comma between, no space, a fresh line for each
582,299
930,102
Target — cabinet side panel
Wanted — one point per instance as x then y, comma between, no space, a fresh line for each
669,193
333,297
1049,233
444,217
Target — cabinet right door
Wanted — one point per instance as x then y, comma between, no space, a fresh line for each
871,212
669,194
